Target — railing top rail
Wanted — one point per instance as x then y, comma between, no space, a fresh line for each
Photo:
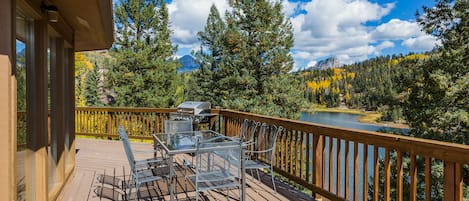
437,149
125,109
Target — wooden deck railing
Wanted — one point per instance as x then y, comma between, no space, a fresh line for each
140,123
335,163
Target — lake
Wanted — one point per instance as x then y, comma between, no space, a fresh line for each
345,120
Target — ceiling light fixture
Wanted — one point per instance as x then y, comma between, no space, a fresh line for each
51,11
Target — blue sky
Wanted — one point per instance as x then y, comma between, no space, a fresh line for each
351,30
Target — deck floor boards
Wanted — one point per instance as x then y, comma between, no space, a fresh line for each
98,157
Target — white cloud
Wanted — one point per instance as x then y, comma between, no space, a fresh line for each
339,17
339,28
421,43
396,29
385,44
289,8
188,17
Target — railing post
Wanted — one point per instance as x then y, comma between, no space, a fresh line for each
109,123
453,182
318,155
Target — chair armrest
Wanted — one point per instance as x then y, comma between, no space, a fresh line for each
258,151
145,151
149,161
248,143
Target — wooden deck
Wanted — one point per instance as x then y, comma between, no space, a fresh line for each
104,157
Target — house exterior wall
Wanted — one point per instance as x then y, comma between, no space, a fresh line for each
46,159
7,100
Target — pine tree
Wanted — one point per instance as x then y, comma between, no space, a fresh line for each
204,85
144,71
92,93
257,60
438,105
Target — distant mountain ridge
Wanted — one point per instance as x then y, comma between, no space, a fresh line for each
326,64
188,64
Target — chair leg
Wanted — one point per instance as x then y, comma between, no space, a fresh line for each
137,193
258,177
272,175
227,194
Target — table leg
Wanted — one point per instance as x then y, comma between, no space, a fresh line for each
243,177
171,170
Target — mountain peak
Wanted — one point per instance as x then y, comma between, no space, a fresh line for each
330,62
188,64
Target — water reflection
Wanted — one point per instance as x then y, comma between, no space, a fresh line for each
346,120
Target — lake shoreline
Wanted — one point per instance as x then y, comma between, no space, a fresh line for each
368,117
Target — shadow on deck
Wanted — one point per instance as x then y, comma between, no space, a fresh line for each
104,160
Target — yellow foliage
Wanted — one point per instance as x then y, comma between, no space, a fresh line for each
409,57
347,96
416,56
312,85
393,62
82,64
325,84
82,67
335,90
337,71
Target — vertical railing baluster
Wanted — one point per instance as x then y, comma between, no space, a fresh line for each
308,157
291,150
375,173
458,182
428,178
400,175
109,123
365,172
338,166
387,173
355,170
302,155
318,155
323,162
413,178
330,163
346,164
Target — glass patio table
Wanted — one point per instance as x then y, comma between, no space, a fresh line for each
186,143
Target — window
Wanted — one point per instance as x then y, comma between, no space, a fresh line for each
24,41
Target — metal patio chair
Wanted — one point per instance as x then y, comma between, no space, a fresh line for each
264,147
142,171
176,126
213,170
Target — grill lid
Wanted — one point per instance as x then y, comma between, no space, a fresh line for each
194,107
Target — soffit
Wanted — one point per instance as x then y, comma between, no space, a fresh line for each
91,21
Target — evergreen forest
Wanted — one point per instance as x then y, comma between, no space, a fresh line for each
245,64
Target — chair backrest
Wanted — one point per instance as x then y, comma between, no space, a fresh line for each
267,139
176,126
250,126
215,157
128,150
